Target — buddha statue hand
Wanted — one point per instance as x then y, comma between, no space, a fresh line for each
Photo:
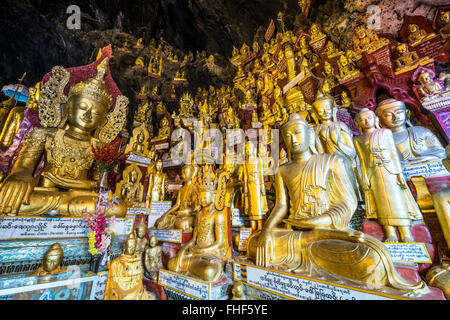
15,190
264,248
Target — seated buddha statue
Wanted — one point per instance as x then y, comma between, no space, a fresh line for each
315,33
181,215
346,102
365,39
15,116
329,74
316,192
443,22
428,88
51,262
138,144
267,118
414,143
416,35
141,240
124,281
131,191
347,68
331,50
163,131
245,51
139,62
403,57
204,256
66,138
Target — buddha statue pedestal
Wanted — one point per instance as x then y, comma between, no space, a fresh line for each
182,287
282,285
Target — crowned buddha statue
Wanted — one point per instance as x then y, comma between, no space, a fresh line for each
157,184
315,33
315,191
428,88
181,215
15,116
66,138
346,102
51,262
254,192
186,105
365,39
244,51
204,256
131,191
141,114
164,130
347,68
139,62
331,50
124,281
414,143
153,259
138,144
416,35
387,196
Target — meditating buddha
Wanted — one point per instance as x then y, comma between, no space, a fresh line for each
316,192
414,143
51,262
66,138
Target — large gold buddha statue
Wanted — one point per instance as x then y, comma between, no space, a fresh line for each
125,276
66,138
205,254
181,215
315,190
415,144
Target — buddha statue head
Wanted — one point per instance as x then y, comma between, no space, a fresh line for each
188,172
392,114
141,229
133,176
425,77
129,247
153,241
323,108
366,120
298,136
328,69
238,291
159,165
52,258
444,18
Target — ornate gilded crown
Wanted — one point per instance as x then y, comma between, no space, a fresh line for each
207,178
94,88
186,97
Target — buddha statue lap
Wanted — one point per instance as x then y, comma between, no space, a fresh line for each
66,138
414,143
316,192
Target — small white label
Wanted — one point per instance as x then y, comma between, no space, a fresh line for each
138,160
244,234
174,236
162,146
409,252
174,187
185,285
432,169
257,125
137,211
237,219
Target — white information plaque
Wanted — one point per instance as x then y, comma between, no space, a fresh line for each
174,236
433,169
137,211
244,234
295,287
408,252
237,220
138,160
191,287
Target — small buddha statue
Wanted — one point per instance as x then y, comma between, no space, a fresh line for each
153,259
181,215
66,138
245,51
346,102
267,118
387,195
416,35
255,47
428,88
51,262
131,191
254,193
238,292
347,68
329,74
124,281
268,86
140,43
138,144
257,67
141,241
172,92
315,192
139,62
414,143
141,113
204,256
163,131
331,50
315,33
157,184
240,72
404,58
443,22
365,39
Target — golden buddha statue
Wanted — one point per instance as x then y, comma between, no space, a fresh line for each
416,35
365,39
239,73
414,143
387,195
347,68
428,88
254,192
51,262
66,138
161,109
245,51
443,23
140,43
181,215
346,102
139,62
186,105
154,66
141,113
125,276
331,50
315,33
255,47
268,86
138,144
157,184
164,130
153,259
258,67
329,74
316,191
204,256
267,117
131,190
141,241
15,116
404,58
238,292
